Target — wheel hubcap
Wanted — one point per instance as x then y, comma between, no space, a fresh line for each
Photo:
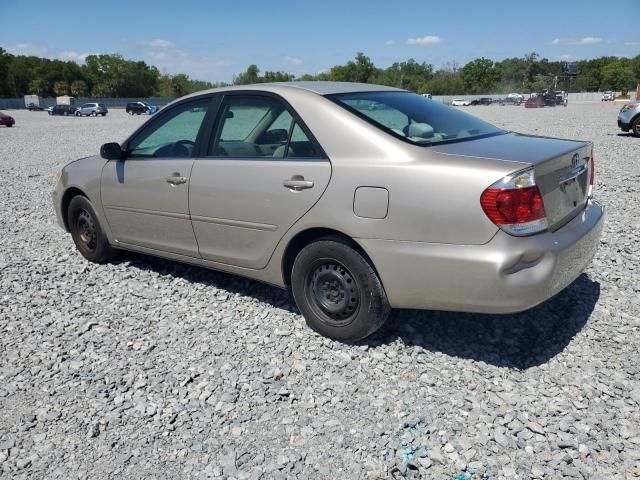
333,290
86,230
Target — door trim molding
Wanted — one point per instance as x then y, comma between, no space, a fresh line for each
183,216
235,223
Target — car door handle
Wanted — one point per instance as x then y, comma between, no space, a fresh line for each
297,185
176,179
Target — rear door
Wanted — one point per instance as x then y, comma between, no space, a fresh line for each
263,171
146,195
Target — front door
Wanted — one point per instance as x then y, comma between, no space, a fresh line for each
262,173
146,195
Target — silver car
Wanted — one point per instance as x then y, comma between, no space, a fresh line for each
629,118
91,109
411,204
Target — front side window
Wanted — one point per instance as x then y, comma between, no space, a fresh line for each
415,118
259,127
172,135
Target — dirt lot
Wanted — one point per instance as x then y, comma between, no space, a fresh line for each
144,368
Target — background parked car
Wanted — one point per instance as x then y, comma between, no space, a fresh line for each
139,108
508,101
6,120
458,102
92,109
629,118
63,110
32,107
534,101
482,101
607,96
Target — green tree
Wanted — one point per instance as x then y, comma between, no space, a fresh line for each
479,76
5,83
618,76
61,88
251,75
79,88
37,86
359,70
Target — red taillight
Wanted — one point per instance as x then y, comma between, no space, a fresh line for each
513,205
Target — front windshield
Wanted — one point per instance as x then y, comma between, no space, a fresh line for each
414,118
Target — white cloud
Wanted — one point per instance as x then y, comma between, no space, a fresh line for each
26,49
566,56
293,60
390,42
73,56
555,41
588,41
426,40
160,43
632,44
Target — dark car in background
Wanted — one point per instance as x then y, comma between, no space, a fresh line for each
138,108
509,101
482,101
32,107
6,120
65,110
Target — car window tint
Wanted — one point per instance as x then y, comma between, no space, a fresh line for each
252,126
300,146
414,118
174,134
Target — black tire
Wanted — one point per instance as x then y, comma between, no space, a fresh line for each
338,291
86,231
635,127
93,114
78,114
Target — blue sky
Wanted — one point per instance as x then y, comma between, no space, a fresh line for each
212,40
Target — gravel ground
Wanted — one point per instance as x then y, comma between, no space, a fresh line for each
143,368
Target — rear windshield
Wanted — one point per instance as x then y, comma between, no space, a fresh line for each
414,118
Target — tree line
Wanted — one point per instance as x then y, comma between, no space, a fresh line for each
111,75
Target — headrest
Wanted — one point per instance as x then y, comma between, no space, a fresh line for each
420,130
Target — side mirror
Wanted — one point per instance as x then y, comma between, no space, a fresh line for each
111,151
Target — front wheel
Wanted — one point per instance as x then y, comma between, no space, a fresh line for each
93,114
338,291
86,231
635,127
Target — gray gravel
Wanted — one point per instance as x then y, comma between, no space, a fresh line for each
143,368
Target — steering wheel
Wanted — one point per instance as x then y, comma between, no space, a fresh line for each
183,148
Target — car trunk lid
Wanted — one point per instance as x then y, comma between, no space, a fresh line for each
562,168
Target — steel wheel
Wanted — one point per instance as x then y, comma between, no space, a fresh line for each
332,292
86,229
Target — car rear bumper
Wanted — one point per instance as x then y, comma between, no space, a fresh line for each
507,274
624,126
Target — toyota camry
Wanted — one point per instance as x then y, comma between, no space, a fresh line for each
358,197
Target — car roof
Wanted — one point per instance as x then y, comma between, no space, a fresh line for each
319,87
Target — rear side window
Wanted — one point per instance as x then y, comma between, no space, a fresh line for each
259,127
414,118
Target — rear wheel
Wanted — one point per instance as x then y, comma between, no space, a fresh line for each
338,291
635,127
87,232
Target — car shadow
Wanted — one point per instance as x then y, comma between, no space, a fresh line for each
627,135
522,340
